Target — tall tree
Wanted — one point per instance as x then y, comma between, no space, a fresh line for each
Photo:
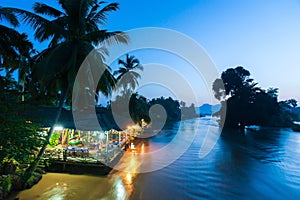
236,91
8,51
242,100
127,74
74,31
15,48
243,103
24,62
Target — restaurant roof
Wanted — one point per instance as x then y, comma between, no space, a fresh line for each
45,115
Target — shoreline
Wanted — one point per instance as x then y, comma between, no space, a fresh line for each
138,143
17,186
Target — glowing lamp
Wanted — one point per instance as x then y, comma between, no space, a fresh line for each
58,128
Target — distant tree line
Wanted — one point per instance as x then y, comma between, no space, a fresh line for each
244,103
139,107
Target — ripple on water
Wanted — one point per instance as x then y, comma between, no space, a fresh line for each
262,165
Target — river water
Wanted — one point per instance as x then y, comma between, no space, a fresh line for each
251,165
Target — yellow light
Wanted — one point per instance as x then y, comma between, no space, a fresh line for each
142,148
128,178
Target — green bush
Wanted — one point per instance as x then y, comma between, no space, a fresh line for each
6,183
8,165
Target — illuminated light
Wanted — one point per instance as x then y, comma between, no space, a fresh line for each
29,122
128,178
143,148
65,186
43,133
58,128
120,190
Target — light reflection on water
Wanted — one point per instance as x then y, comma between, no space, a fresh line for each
256,165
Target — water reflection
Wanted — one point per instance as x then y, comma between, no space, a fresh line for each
251,165
254,165
117,185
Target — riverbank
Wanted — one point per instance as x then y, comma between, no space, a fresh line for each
254,165
13,183
83,166
92,185
72,165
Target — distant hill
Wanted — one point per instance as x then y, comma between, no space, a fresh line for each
207,109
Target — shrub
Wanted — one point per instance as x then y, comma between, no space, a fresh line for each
6,183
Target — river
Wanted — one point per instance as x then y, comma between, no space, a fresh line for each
254,165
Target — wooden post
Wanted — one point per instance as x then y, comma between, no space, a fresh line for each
119,138
106,159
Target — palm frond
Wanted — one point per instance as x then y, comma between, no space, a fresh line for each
66,5
134,75
140,67
53,62
101,16
120,71
107,83
44,9
94,9
13,45
122,62
135,60
29,18
105,37
7,15
103,51
50,29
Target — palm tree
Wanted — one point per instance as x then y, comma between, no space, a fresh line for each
15,48
26,51
127,75
73,32
8,36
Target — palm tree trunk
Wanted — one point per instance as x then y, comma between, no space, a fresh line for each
29,171
22,84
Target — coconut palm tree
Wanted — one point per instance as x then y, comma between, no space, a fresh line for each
127,74
8,50
73,31
15,48
26,51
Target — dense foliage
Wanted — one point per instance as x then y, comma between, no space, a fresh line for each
19,139
172,107
244,103
138,107
74,31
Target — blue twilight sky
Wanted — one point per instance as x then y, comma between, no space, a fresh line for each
261,35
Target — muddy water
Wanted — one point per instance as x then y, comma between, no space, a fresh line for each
254,165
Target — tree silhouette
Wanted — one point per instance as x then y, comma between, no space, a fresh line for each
243,103
171,106
73,31
15,48
127,74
